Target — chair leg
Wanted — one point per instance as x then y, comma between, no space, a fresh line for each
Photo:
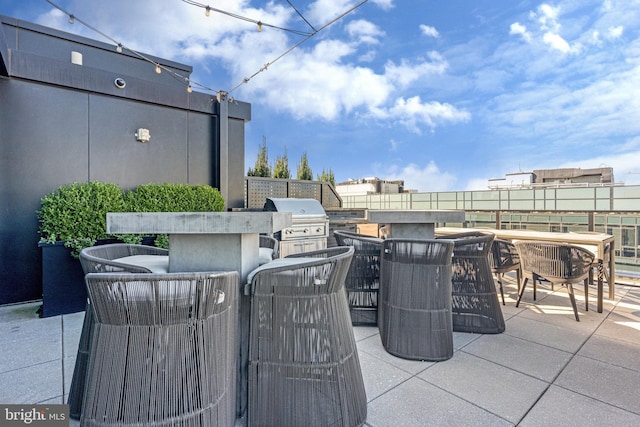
535,288
573,301
501,290
587,282
524,285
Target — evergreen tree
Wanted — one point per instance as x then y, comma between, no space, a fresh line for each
262,167
304,171
281,168
327,176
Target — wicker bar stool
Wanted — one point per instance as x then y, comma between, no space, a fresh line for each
303,366
164,350
363,279
414,316
102,259
475,305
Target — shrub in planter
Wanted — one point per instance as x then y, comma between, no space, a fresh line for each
76,213
71,218
75,216
172,198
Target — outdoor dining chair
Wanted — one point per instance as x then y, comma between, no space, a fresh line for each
110,258
363,279
303,366
474,306
503,258
164,350
414,316
599,262
268,249
557,263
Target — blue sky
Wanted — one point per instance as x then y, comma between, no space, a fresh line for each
442,94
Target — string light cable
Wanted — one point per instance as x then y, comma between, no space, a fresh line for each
286,52
190,83
259,23
120,47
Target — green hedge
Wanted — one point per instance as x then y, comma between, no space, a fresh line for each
76,213
173,198
170,198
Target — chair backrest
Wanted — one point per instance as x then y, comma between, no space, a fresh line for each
408,254
321,271
100,259
175,336
160,299
556,262
503,256
358,241
474,244
269,243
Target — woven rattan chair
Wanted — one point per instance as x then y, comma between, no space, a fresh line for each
164,350
599,261
268,243
102,259
303,367
557,263
414,316
503,258
363,279
475,305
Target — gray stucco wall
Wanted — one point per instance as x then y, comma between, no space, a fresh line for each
61,123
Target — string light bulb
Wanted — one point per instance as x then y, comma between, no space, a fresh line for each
207,11
119,48
158,69
72,19
259,26
189,89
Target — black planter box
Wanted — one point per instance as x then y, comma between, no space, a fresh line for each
63,288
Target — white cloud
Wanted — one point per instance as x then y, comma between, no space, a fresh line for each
423,179
556,42
406,73
429,31
364,31
518,28
384,4
547,16
615,32
412,113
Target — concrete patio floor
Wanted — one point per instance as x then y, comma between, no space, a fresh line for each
546,369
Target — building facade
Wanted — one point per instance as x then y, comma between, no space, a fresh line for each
78,110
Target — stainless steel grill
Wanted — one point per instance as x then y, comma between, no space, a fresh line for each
309,228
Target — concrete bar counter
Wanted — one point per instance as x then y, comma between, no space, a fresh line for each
414,224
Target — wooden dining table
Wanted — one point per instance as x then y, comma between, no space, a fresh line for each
601,244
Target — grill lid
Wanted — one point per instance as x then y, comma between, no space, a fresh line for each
297,207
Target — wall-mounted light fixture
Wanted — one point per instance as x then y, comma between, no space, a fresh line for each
76,58
143,135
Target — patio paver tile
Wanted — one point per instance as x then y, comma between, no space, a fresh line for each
501,391
605,382
561,407
417,403
539,361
